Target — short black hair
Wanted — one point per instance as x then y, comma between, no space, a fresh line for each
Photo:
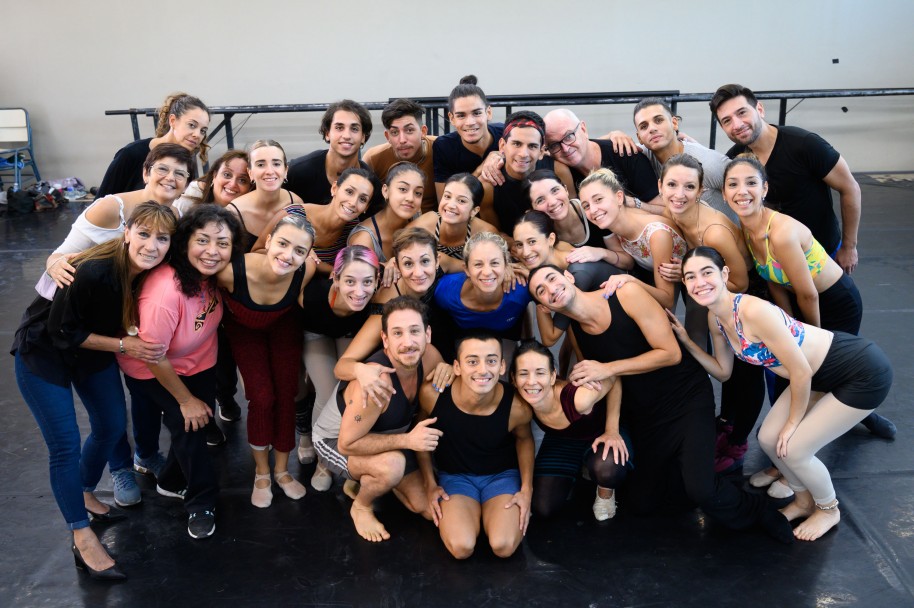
728,92
399,108
346,105
403,303
483,335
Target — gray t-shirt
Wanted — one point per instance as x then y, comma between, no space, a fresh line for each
713,163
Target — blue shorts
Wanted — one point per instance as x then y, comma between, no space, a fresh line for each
480,487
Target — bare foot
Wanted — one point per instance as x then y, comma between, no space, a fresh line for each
351,488
367,525
91,550
798,509
817,524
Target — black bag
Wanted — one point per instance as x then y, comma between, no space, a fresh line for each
19,202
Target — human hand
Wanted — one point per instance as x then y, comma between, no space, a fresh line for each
490,169
147,352
614,442
375,382
441,377
623,144
522,500
588,371
423,438
586,254
435,495
677,327
196,414
391,274
671,271
784,436
613,283
847,258
61,272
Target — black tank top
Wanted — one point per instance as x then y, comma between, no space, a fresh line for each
651,398
474,445
243,296
399,414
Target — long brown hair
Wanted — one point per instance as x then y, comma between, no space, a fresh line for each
178,104
155,217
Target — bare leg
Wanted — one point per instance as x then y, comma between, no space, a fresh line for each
411,492
502,526
459,525
377,475
802,506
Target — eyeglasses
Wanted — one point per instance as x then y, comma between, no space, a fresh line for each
568,139
164,170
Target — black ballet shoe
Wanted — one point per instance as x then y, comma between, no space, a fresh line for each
108,574
776,526
113,515
880,426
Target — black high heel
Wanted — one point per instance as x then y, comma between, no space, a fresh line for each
113,515
108,574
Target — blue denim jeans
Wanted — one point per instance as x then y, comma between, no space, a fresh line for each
72,472
146,418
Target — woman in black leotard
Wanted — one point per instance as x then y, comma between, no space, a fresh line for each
268,172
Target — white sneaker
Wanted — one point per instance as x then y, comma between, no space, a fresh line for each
779,489
306,453
604,508
322,478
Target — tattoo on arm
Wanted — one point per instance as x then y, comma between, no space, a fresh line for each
358,417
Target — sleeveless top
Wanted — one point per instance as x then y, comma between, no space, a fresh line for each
244,311
473,444
397,418
376,243
649,399
454,252
249,237
771,270
757,353
585,427
640,248
327,255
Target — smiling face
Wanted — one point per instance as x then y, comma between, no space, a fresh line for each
268,168
551,197
560,127
146,247
679,189
356,284
166,180
287,249
405,137
479,364
486,267
404,194
231,181
346,135
703,280
406,338
351,198
655,128
210,248
742,122
470,118
744,190
601,203
552,288
522,149
456,206
532,246
418,264
189,130
533,378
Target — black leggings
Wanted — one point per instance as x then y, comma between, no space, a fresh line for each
558,465
676,470
741,399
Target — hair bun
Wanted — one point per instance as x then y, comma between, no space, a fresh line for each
471,79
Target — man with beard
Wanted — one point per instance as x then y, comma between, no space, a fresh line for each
374,445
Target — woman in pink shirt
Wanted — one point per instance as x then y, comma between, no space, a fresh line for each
180,306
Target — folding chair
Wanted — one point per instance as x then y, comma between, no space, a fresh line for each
16,145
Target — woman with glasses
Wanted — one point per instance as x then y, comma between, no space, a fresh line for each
165,171
182,120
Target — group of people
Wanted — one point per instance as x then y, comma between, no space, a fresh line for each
384,307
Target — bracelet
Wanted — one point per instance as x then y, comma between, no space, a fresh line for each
830,507
123,352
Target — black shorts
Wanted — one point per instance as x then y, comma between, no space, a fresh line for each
855,371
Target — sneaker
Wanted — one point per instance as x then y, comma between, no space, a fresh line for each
214,435
604,508
179,494
880,426
306,453
229,410
201,524
126,492
149,466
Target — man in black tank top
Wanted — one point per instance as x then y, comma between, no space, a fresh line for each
374,445
484,456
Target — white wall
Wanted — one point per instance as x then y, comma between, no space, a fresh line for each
112,55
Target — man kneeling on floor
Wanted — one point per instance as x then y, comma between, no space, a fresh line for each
485,455
374,445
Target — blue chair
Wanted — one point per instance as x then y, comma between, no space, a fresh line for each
16,151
